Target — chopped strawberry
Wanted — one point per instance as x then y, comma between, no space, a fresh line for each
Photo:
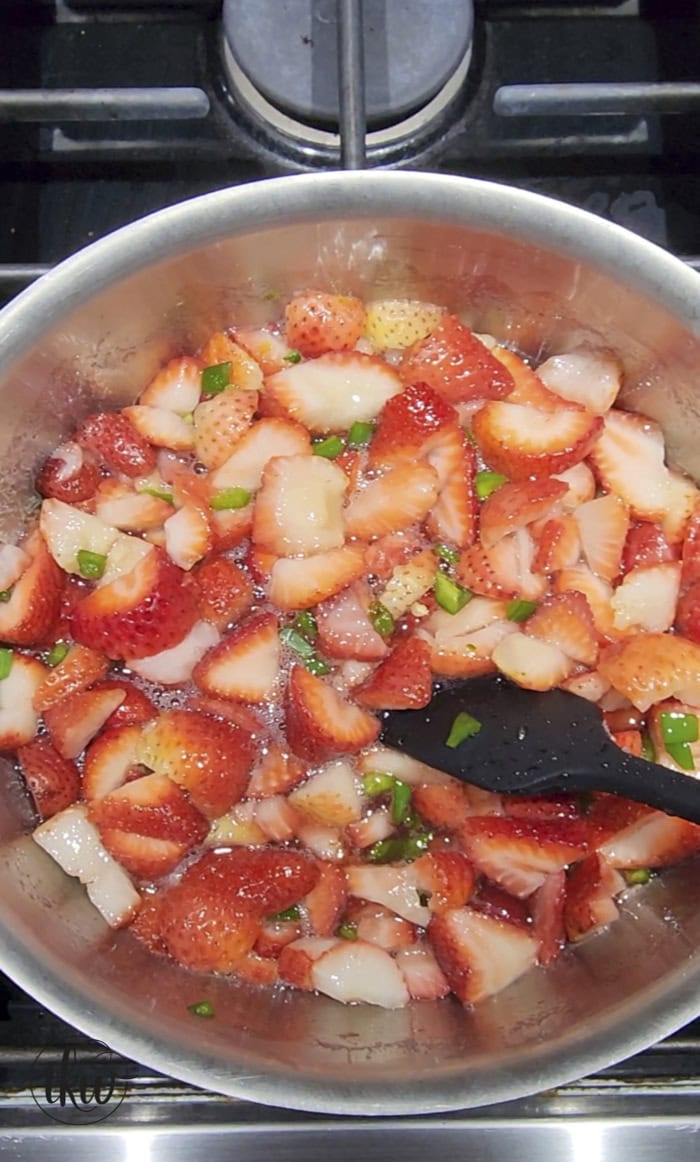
276,935
392,502
479,955
647,839
136,707
79,669
320,724
264,440
176,387
523,442
299,506
384,555
224,591
531,662
259,970
325,903
143,612
118,505
603,525
566,621
35,601
558,545
511,559
245,665
515,505
539,808
350,461
277,818
267,347
334,391
244,373
235,712
590,896
219,423
646,544
148,825
598,594
424,978
146,926
447,877
456,364
275,772
344,626
18,718
174,666
397,323
529,388
68,474
330,796
690,552
454,516
379,925
498,904
442,804
547,906
209,758
517,853
586,377
316,322
297,960
188,536
113,439
688,613
646,598
403,681
410,424
77,718
230,527
649,667
302,582
269,880
110,760
53,781
476,572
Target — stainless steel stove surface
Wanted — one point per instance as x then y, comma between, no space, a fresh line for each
114,108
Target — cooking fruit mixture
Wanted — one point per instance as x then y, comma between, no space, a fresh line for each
291,531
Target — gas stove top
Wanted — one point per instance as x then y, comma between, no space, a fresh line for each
114,108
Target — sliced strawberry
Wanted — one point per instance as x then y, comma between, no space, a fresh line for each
392,502
646,839
497,904
161,427
515,505
455,515
224,591
380,926
330,796
299,506
262,442
143,612
117,505
147,924
518,854
176,387
35,601
79,669
447,877
209,758
585,377
690,552
152,809
53,781
650,667
188,537
257,969
409,426
275,772
393,886
383,556
13,562
403,681
68,474
603,525
598,594
316,322
267,347
442,804
244,373
334,391
235,712
359,972
320,723
276,935
344,626
558,545
77,718
245,665
477,573
371,828
523,442
548,915
688,613
646,544
590,896
479,956
301,582
113,439
297,960
136,707
532,662
18,718
512,558
529,388
277,818
231,527
220,422
424,978
456,364
325,903
566,621
110,760
174,666
351,461
646,598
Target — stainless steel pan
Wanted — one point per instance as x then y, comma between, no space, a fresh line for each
535,273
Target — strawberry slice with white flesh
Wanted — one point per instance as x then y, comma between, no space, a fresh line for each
175,666
299,506
321,724
392,502
302,582
330,796
219,423
603,525
334,391
410,426
268,438
479,955
647,598
566,621
522,442
530,662
109,760
424,978
161,427
516,505
245,665
344,626
355,971
74,721
587,377
32,609
590,896
651,667
396,888
176,387
18,717
455,515
74,843
519,854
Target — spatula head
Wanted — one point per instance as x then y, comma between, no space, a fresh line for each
527,742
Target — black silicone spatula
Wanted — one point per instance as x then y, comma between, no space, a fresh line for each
528,743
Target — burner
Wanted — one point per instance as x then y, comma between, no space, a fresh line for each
281,57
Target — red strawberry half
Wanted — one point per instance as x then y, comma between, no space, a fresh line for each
320,723
143,612
54,781
456,364
403,681
113,439
409,425
74,721
245,665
